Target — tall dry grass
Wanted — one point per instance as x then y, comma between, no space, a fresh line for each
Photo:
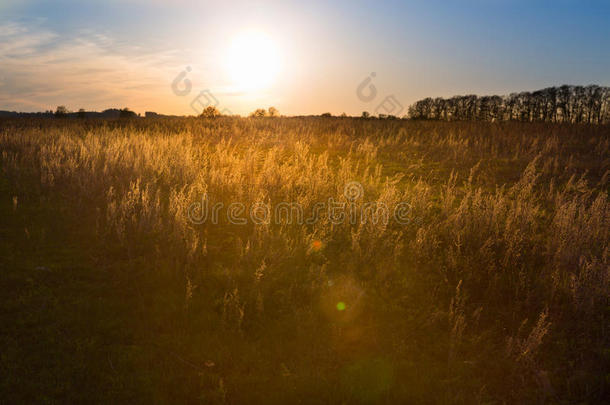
497,290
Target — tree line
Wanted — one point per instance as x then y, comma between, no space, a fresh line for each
572,104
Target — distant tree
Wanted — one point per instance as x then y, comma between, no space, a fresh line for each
127,113
573,104
365,114
326,115
273,112
61,111
81,113
210,112
343,115
259,112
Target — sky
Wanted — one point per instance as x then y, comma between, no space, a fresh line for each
175,57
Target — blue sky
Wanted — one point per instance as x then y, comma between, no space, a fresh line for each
101,54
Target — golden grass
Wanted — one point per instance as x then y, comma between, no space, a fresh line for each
497,290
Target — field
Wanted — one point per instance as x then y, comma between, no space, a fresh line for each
492,288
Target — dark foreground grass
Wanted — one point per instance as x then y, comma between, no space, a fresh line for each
63,319
82,327
495,292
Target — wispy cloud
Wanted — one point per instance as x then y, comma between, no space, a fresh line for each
40,68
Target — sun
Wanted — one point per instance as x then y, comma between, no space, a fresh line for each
252,61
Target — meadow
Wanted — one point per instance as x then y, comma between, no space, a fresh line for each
494,290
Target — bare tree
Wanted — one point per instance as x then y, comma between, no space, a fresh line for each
126,113
61,112
259,112
574,104
273,112
210,112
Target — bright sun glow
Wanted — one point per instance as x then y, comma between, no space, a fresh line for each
252,61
